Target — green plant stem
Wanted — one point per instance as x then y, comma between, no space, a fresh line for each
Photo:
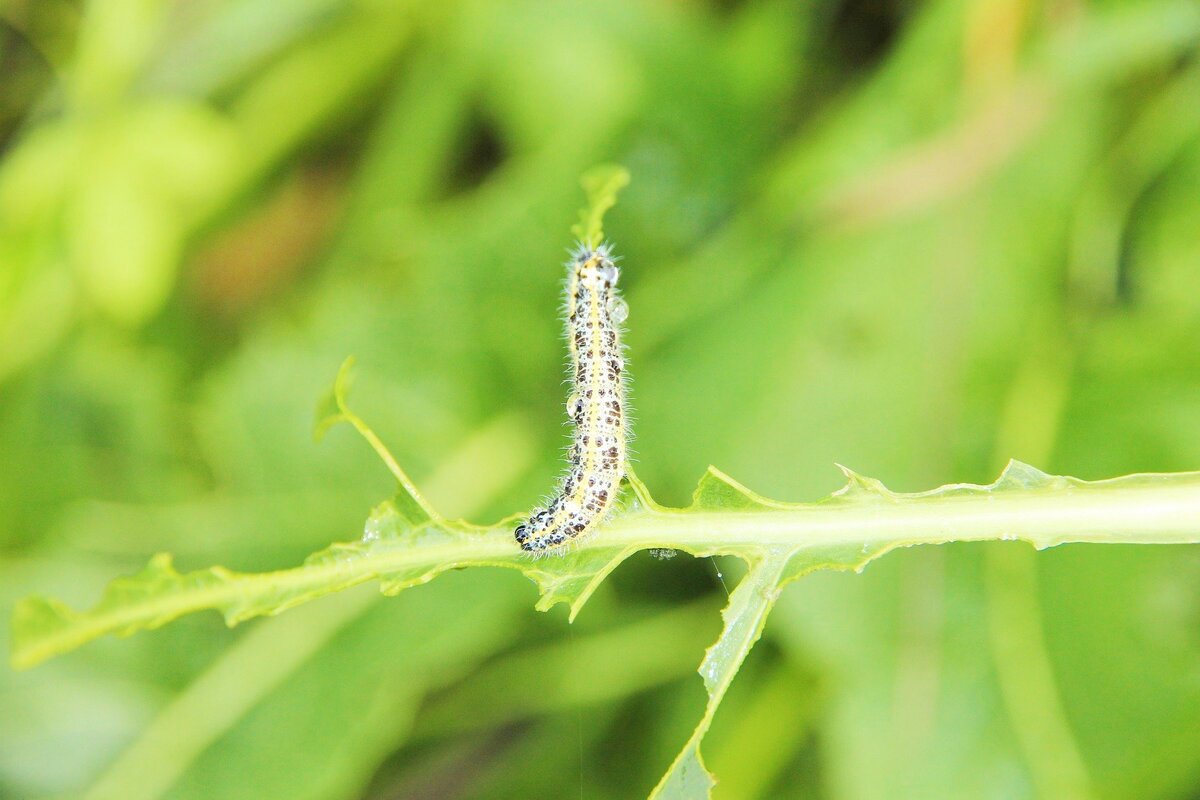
847,530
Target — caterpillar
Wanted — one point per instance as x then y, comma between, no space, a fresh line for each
596,406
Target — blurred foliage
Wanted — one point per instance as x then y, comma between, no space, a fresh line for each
917,238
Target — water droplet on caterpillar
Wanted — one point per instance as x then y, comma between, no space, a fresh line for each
618,310
575,406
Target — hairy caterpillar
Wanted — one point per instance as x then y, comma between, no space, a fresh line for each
596,406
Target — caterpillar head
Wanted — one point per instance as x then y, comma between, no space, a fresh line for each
596,265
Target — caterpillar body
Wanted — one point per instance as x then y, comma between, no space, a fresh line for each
596,406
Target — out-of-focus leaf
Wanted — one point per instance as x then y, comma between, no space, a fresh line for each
37,294
356,666
115,41
144,181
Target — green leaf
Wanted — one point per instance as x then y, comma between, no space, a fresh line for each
744,618
602,184
332,408
406,543
719,492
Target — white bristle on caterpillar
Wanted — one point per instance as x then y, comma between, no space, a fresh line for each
596,405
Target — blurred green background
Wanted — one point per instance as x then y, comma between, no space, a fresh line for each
916,238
